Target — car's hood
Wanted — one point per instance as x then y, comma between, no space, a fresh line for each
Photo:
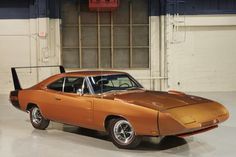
155,99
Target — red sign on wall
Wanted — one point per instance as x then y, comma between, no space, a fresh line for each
103,5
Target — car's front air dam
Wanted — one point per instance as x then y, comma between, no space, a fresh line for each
197,132
191,118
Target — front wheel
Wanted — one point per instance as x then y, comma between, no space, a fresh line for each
122,134
37,120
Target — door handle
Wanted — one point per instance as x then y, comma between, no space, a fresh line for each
58,99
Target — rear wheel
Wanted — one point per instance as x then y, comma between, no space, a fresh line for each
37,120
123,134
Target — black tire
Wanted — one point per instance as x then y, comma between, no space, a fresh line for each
132,141
37,120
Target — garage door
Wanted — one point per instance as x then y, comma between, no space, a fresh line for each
202,54
117,39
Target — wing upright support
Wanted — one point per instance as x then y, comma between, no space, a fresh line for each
15,78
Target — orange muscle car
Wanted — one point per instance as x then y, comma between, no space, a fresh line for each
115,102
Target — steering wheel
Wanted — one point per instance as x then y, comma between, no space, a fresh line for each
102,81
124,84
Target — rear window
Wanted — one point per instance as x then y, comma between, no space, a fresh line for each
57,85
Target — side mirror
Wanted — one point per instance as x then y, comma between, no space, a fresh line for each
80,92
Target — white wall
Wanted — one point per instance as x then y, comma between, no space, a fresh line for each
202,53
21,45
14,49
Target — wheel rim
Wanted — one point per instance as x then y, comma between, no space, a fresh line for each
123,132
36,115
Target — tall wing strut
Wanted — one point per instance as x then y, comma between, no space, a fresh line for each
15,78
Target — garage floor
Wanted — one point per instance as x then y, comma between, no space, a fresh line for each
19,139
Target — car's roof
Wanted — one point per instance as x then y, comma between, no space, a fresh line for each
94,73
84,73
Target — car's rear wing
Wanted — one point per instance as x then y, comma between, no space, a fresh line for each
15,78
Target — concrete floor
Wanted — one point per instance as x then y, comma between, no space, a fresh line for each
19,139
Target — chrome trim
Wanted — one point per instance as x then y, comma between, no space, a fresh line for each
63,85
89,85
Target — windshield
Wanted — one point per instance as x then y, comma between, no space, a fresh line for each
108,83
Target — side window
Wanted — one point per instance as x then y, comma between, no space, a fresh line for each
69,85
73,84
57,85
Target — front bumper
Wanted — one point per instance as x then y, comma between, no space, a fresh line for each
193,119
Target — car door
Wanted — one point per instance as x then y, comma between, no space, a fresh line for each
70,107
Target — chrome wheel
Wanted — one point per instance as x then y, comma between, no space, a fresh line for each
36,116
123,132
37,120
